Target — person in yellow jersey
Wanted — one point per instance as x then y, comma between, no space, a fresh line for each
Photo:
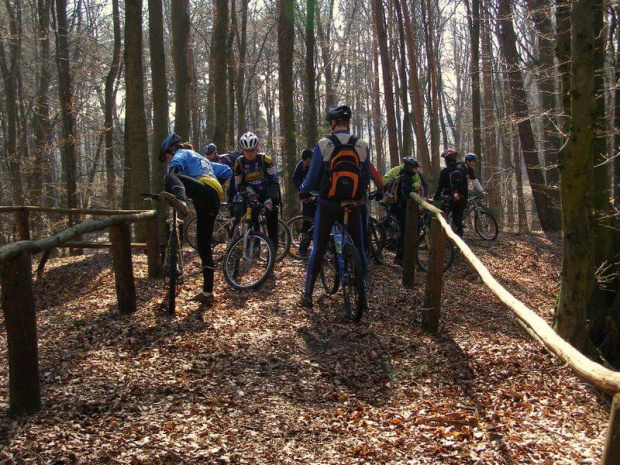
192,175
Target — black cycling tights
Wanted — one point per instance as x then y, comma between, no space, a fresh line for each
207,203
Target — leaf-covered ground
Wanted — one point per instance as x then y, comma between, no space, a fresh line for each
257,378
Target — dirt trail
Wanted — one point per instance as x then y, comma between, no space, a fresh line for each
256,378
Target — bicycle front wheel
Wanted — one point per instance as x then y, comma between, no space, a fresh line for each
249,261
301,236
353,285
423,252
174,261
486,225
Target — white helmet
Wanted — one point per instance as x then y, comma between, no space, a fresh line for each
248,141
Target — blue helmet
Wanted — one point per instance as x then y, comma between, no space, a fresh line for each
169,142
471,157
211,148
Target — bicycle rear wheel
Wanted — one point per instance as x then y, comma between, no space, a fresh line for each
301,236
423,251
375,243
329,269
486,225
249,261
353,285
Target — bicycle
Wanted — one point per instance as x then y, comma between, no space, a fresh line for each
226,228
485,223
250,256
173,258
423,244
342,265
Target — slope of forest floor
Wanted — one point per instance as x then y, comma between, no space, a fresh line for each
257,378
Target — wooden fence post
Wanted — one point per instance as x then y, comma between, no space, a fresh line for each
434,278
611,455
152,247
411,236
22,221
123,273
21,334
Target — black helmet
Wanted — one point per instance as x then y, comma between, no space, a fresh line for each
307,153
169,142
339,112
410,163
211,148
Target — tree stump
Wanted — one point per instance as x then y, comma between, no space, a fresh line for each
123,273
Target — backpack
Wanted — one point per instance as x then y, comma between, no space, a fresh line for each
457,183
344,174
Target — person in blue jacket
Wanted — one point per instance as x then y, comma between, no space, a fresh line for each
328,210
192,175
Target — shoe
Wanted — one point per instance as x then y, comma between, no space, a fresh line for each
175,203
204,298
304,244
306,301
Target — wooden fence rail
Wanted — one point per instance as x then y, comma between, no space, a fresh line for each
600,377
18,296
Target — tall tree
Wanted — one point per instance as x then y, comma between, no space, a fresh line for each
508,44
137,174
473,19
388,87
110,105
67,106
576,175
240,85
429,32
286,41
219,72
179,13
311,117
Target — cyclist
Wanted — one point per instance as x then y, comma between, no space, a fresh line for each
453,185
308,207
408,181
192,175
329,208
394,172
211,153
257,171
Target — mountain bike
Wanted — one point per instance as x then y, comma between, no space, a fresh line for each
251,256
173,258
342,265
423,244
485,223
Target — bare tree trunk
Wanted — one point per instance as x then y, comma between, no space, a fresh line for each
240,86
404,88
324,41
136,141
220,31
193,95
232,74
311,116
180,45
432,76
286,40
379,20
473,18
67,102
110,105
377,110
540,191
563,53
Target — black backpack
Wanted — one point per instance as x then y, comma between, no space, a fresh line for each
457,180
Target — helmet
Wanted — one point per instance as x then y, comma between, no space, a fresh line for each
248,141
339,112
307,153
449,153
471,157
211,148
410,163
169,142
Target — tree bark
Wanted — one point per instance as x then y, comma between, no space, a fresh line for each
180,47
432,77
240,86
220,31
286,40
311,115
473,19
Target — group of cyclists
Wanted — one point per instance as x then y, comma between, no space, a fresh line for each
339,169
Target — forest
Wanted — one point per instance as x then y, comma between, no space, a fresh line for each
90,89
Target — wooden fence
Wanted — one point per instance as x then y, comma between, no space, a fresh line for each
18,303
605,380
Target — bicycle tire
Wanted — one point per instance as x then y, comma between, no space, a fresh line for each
243,269
296,226
330,278
353,287
375,249
485,225
284,240
189,231
172,271
422,252
380,229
